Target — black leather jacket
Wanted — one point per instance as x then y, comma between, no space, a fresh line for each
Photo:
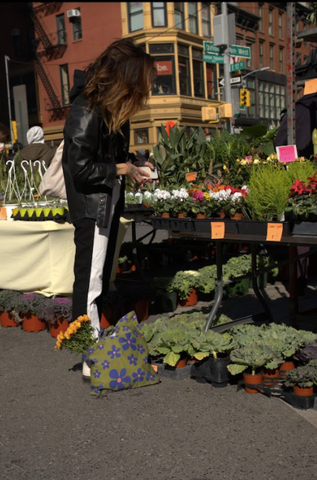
89,163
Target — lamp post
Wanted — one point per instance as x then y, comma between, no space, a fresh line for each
6,58
253,71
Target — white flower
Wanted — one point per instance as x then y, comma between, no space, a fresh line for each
162,194
147,195
236,197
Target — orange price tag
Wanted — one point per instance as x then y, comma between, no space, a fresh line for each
274,232
217,229
191,177
154,367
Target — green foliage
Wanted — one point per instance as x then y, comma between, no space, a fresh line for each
162,284
300,170
253,355
268,189
207,280
184,282
303,376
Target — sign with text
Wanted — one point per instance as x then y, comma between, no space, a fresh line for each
233,81
234,67
217,229
274,232
191,177
164,67
287,153
210,48
213,58
239,51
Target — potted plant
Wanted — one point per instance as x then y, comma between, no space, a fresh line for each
179,202
234,268
302,206
162,203
61,315
185,283
302,379
9,316
252,357
207,282
78,338
28,305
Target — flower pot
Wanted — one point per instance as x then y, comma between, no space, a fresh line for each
271,376
201,215
219,374
167,302
252,380
182,362
60,325
165,215
286,367
141,309
3,213
221,214
304,391
6,320
106,317
119,269
190,301
31,323
181,215
237,216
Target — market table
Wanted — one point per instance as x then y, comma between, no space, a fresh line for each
248,232
37,257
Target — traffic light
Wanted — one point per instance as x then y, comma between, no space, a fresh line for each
245,100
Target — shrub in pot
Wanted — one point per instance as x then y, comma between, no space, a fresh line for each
8,314
302,379
185,282
29,306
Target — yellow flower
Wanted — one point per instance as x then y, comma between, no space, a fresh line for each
272,156
268,159
224,167
61,336
67,336
238,159
243,162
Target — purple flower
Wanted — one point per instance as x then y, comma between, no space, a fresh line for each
141,349
90,351
146,360
119,379
105,364
128,342
150,377
125,329
96,374
138,375
114,352
132,359
101,347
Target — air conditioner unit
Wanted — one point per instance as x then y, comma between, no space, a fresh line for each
73,13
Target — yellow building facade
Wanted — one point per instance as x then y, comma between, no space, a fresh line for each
173,33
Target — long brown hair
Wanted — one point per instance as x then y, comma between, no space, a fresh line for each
119,82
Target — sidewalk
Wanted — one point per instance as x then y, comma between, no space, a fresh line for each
51,429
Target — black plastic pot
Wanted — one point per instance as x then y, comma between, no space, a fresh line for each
304,228
213,370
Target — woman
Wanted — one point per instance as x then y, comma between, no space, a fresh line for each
95,163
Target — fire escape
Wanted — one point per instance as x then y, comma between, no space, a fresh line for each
49,47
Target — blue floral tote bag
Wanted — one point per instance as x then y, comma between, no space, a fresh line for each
119,360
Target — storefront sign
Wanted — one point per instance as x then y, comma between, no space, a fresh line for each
164,67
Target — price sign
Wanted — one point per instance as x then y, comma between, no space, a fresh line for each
217,229
274,232
191,177
154,367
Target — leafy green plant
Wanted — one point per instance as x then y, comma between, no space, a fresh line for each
184,282
303,376
211,343
162,284
253,356
207,279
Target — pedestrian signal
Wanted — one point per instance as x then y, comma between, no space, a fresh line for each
245,100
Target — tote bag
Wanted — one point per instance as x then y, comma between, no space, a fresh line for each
53,183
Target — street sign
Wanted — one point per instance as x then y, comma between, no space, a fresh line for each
234,67
210,48
233,81
239,51
213,58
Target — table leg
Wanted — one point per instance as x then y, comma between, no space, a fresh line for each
219,288
255,287
293,297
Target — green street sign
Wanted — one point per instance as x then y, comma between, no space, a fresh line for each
242,108
213,58
238,51
210,48
234,67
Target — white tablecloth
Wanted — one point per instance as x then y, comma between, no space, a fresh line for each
37,257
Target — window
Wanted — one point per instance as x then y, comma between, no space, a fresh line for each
280,26
261,55
64,83
281,60
211,80
251,87
271,101
77,31
159,14
249,60
135,14
272,57
165,68
205,18
260,14
179,16
141,135
198,71
270,22
184,70
60,28
192,17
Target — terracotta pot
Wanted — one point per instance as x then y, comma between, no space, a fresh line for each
60,325
221,215
190,301
252,380
181,215
286,367
165,215
106,317
119,269
304,392
271,377
31,323
201,215
6,320
237,216
141,309
182,362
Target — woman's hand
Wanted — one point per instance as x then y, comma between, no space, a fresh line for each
133,173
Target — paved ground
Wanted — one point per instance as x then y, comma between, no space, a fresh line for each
51,429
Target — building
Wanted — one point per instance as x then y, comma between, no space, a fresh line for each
68,37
